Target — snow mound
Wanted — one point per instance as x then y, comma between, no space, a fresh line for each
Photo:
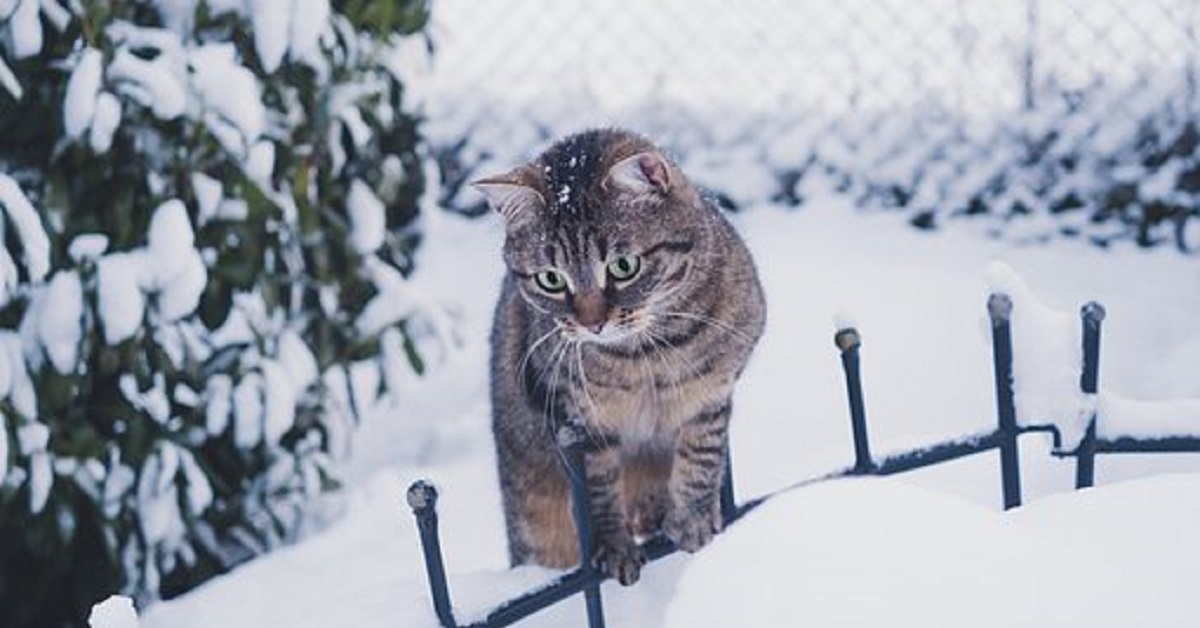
881,552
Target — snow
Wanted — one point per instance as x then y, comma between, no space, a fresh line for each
217,390
180,296
60,326
168,268
248,411
309,20
41,480
882,552
10,277
297,360
25,29
121,305
937,536
158,497
20,389
367,218
1047,359
34,242
105,122
83,88
87,246
56,14
280,401
115,612
153,400
153,84
228,95
33,437
117,484
394,301
170,235
271,20
6,383
208,196
260,162
9,80
198,491
177,15
1119,416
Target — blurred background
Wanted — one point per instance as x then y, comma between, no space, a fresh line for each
1052,118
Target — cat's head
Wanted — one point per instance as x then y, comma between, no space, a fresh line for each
602,234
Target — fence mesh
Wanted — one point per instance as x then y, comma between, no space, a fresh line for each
934,105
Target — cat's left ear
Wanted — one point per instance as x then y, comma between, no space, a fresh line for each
643,173
508,195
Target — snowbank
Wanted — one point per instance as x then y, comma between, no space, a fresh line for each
938,536
882,552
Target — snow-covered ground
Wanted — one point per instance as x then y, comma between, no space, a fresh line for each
925,548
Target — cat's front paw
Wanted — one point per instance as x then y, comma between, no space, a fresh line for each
647,513
691,528
619,557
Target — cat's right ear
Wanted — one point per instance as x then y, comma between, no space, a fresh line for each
508,196
643,173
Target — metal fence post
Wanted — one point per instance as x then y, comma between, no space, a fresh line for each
848,342
1092,316
422,498
1000,312
572,440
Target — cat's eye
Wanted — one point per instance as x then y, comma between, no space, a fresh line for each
624,267
551,281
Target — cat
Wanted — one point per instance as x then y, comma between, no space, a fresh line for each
630,305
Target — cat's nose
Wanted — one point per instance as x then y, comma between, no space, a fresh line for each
590,312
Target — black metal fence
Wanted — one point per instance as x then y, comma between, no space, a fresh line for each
586,579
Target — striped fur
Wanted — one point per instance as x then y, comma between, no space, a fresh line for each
648,362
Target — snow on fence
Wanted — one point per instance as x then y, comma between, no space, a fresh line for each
1179,433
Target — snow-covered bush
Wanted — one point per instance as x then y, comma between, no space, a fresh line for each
1108,163
1112,162
207,217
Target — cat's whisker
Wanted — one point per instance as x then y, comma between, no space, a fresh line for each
584,384
674,364
655,395
554,370
533,347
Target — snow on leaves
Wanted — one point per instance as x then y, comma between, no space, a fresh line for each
35,245
188,313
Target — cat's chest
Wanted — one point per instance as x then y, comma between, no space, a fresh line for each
639,413
641,405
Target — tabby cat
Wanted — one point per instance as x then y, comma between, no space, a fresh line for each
631,306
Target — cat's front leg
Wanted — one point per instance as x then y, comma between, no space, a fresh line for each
616,553
694,515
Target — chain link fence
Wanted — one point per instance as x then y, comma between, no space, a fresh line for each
1084,111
